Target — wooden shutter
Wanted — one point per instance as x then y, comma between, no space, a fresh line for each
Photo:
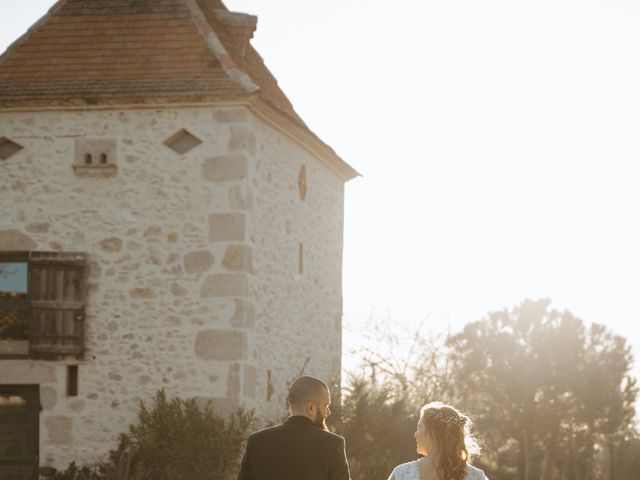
57,293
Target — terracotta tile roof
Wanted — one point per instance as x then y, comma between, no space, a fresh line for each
113,48
105,52
251,62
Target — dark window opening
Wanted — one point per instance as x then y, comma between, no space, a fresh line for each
301,258
19,431
72,381
270,389
88,159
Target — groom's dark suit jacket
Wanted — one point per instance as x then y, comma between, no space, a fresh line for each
295,450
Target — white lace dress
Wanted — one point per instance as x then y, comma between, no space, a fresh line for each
410,471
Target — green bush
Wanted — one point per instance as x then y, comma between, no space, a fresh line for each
177,440
378,423
174,439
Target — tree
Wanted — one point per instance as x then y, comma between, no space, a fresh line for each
541,380
378,423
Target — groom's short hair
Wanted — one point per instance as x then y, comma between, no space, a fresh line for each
305,389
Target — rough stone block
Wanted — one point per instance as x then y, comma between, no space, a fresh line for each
77,405
225,168
59,430
238,258
48,397
41,227
244,314
154,232
111,245
15,240
225,285
226,227
242,139
178,290
220,345
198,262
142,293
238,199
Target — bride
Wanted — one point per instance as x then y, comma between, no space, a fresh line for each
443,437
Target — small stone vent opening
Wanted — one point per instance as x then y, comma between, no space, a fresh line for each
182,141
72,380
8,148
95,157
270,389
301,258
302,183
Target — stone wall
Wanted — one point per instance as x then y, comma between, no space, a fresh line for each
194,282
300,312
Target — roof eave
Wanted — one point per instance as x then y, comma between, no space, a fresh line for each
302,135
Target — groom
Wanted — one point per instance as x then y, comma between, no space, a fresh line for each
301,448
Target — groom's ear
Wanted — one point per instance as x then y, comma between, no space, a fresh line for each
309,406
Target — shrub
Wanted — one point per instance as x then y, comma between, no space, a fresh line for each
174,439
177,440
378,424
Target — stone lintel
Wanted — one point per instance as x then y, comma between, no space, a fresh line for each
15,240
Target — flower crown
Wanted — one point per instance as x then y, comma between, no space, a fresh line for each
450,420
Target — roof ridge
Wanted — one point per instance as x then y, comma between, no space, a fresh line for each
41,21
216,46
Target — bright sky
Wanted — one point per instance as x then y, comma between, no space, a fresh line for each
13,277
498,143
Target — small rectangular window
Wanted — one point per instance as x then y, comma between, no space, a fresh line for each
301,258
72,381
270,389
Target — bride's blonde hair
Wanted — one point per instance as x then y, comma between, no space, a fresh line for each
455,446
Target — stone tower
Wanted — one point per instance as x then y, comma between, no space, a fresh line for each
166,221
